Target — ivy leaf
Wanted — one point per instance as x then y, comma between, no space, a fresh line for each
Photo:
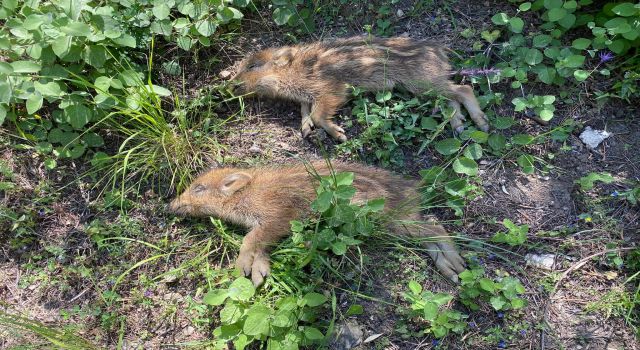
581,75
626,9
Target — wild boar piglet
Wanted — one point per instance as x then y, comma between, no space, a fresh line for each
318,76
266,199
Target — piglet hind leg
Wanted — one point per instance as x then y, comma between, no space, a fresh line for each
306,123
464,94
442,249
322,112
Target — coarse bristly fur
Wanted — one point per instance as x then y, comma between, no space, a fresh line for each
318,76
266,199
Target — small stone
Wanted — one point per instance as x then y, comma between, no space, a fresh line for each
347,336
225,74
543,261
592,138
255,149
400,13
189,330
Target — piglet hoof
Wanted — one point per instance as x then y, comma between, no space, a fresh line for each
337,133
459,130
307,125
260,269
447,259
244,262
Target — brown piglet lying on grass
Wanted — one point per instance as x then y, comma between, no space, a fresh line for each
318,75
266,199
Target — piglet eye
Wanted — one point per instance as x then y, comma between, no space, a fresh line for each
199,188
253,65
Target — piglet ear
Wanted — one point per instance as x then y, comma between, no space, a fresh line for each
234,182
283,56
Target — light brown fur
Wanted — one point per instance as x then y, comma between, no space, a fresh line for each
266,199
318,75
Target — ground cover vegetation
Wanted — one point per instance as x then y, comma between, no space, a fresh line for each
109,108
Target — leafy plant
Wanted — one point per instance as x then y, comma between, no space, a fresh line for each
516,235
432,307
502,294
587,182
442,187
245,318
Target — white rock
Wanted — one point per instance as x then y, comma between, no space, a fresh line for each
543,261
592,138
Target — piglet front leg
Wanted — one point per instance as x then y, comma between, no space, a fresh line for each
253,259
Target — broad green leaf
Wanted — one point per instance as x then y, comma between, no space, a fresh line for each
581,43
502,123
50,89
473,151
76,29
547,75
33,21
241,289
215,297
447,146
338,248
231,313
95,55
323,202
161,11
415,287
497,302
556,14
550,4
5,92
206,27
78,115
312,333
91,139
581,75
314,299
5,68
25,67
50,163
62,46
464,165
258,321
77,151
428,123
282,15
345,192
497,142
626,9
567,21
34,102
533,57
574,61
44,147
522,139
344,178
526,163
125,40
500,19
541,40
516,24
430,311
3,114
546,114
525,6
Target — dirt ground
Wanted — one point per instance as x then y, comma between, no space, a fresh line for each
62,284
